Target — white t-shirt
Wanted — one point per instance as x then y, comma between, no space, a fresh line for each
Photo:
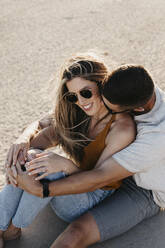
146,155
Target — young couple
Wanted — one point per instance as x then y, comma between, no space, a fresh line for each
113,166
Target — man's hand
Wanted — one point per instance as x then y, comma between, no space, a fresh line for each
28,183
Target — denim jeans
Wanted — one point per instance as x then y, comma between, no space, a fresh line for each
22,207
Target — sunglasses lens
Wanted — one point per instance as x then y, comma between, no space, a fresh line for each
71,98
86,93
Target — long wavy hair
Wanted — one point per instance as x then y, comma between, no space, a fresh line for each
71,123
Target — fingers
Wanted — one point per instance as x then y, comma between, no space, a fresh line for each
21,158
13,181
14,151
15,155
10,176
34,166
18,167
42,176
37,160
14,171
9,158
37,171
25,150
41,154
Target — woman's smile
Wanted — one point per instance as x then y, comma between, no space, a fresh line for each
87,107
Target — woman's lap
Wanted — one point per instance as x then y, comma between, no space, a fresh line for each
127,207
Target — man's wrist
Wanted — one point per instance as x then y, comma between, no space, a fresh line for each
70,167
45,187
38,191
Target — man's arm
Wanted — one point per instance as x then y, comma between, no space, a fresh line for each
109,172
106,171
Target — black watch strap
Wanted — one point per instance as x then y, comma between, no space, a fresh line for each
45,186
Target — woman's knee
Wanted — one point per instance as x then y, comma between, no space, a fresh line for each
63,212
31,154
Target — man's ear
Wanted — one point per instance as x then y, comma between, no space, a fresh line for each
139,109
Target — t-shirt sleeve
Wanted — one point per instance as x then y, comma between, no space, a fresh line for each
146,151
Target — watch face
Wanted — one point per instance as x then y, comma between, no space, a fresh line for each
45,185
23,167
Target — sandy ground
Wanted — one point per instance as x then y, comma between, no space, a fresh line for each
36,36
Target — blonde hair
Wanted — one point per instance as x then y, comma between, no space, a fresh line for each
71,123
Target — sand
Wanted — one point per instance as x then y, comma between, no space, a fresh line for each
37,36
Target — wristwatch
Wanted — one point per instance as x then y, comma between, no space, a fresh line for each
45,186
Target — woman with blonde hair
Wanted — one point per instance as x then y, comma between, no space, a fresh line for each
87,132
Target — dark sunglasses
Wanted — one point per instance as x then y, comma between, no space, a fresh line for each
73,98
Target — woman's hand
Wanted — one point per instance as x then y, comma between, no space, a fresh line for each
11,172
47,163
21,144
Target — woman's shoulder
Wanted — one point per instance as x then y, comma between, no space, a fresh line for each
124,120
122,131
124,123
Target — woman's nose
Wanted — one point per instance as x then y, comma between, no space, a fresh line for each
81,99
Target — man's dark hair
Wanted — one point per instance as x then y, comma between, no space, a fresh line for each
129,85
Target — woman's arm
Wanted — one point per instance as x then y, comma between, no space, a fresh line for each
33,135
44,139
24,141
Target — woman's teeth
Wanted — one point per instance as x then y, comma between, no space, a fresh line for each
86,107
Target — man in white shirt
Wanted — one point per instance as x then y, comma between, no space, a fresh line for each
129,89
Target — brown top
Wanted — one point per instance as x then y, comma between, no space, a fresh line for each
93,151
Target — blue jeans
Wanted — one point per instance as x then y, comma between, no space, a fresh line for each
22,208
